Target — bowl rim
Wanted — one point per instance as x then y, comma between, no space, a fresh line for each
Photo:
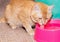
38,27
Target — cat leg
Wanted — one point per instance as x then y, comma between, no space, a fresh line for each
11,19
24,18
12,25
28,27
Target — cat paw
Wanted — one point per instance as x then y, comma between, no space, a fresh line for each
31,33
13,27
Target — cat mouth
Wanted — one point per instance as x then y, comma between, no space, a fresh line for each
43,23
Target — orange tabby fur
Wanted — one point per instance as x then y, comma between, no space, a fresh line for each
20,12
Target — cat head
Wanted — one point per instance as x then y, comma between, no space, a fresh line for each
41,15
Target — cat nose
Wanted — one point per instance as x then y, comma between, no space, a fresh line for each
42,23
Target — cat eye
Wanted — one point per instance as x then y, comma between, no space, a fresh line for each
46,18
40,18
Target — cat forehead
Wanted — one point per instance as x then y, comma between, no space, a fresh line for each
39,15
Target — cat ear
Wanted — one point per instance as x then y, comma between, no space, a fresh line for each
50,8
36,9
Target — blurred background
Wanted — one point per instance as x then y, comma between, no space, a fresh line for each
3,3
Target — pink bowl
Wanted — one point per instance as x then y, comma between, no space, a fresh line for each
49,33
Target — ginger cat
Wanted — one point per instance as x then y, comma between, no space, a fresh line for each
26,13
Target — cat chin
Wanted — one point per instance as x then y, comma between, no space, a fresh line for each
41,24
